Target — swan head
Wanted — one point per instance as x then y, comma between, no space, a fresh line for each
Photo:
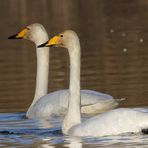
65,39
34,32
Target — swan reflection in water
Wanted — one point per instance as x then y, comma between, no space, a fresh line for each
72,142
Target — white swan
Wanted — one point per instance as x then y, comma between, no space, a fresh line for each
44,104
112,122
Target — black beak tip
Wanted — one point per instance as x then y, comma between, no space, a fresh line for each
12,37
42,45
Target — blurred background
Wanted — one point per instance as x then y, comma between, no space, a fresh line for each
114,44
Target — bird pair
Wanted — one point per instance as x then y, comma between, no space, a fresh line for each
112,122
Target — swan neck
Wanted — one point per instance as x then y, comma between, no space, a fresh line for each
42,73
73,117
41,87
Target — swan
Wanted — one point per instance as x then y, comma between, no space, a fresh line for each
45,105
113,122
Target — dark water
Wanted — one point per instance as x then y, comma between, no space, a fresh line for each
114,44
113,36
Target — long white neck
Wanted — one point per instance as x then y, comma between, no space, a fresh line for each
42,73
41,88
73,116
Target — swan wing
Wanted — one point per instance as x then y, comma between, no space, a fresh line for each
94,102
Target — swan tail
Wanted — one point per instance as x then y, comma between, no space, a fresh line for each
120,100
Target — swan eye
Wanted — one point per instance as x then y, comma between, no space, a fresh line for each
28,28
61,35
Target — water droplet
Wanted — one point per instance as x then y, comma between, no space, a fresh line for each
124,49
141,40
123,34
111,30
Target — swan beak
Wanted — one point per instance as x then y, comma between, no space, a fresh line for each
20,35
52,42
43,45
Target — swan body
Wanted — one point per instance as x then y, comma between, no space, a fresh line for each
59,103
44,105
113,122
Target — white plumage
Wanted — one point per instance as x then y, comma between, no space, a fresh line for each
113,122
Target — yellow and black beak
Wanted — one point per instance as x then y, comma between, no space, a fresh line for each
44,45
19,35
52,42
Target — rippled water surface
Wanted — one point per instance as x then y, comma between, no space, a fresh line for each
17,131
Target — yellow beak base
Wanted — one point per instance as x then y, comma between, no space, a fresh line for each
20,35
53,41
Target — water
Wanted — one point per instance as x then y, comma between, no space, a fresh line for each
17,131
113,36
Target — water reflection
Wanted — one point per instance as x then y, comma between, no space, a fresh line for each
73,142
112,142
46,146
30,133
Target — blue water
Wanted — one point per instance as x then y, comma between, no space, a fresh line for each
18,131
